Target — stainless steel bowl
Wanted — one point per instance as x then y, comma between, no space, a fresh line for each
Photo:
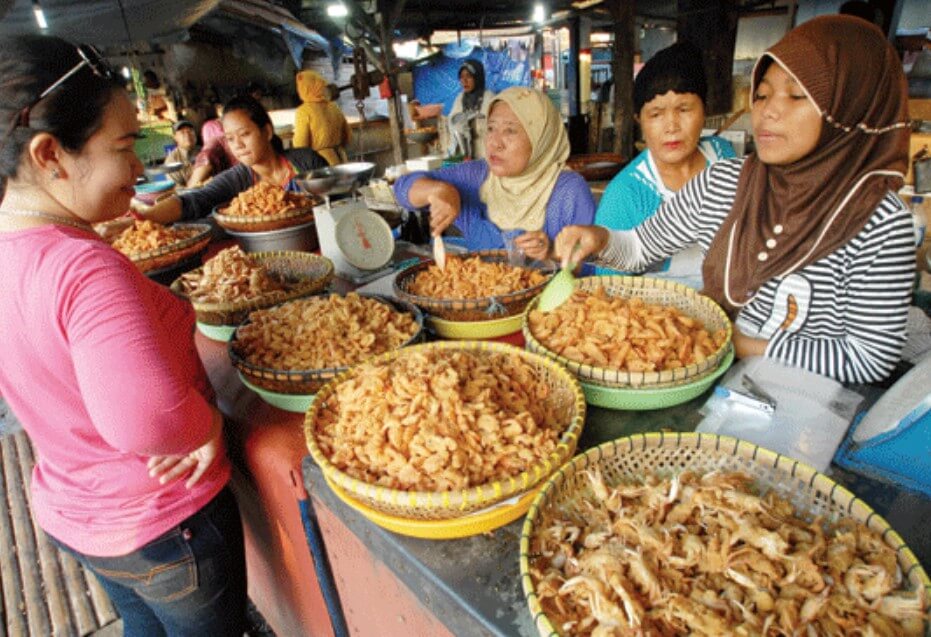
319,182
302,238
354,174
421,137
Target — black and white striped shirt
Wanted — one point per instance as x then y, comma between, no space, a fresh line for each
842,316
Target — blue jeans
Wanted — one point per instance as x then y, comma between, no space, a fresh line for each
190,581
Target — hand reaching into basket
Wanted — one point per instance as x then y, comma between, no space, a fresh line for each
195,463
444,205
576,243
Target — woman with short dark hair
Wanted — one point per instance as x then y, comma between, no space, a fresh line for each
669,102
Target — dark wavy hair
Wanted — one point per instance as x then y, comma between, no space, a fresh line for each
257,113
72,112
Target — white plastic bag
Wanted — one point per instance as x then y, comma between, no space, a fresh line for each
812,412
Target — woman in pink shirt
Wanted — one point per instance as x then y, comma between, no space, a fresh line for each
99,363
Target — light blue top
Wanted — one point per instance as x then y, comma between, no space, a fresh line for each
637,192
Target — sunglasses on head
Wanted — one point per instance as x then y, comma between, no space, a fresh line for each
91,58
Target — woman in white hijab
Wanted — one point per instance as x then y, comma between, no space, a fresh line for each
521,191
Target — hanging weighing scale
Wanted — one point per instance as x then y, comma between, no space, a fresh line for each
358,241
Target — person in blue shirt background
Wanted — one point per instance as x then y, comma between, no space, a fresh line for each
669,102
521,192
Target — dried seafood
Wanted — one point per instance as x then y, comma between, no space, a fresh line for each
473,278
322,332
624,334
703,555
440,420
265,199
146,236
229,277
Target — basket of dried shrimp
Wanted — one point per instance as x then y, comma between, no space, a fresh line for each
663,534
478,286
296,347
631,332
266,207
233,283
446,429
152,246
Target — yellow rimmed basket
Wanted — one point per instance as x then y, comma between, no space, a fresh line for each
667,454
307,381
198,236
652,291
261,223
483,309
302,273
481,521
566,399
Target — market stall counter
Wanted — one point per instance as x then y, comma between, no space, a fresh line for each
267,448
389,584
472,585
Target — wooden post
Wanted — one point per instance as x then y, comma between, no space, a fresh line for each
712,27
623,72
395,118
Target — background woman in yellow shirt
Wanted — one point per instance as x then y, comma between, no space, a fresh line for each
318,122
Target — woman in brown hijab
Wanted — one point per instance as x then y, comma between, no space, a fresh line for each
806,243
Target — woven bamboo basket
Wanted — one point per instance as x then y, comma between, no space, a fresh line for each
566,400
308,381
483,309
653,291
596,166
164,256
303,274
630,458
261,223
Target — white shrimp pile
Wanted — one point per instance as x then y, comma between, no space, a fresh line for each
704,555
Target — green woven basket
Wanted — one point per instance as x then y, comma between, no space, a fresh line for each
645,398
652,291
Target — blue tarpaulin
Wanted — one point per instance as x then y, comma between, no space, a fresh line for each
438,80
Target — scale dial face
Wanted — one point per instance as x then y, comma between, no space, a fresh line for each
365,239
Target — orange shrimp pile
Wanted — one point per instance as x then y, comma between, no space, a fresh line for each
623,334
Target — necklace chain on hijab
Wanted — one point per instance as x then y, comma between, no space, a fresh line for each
74,223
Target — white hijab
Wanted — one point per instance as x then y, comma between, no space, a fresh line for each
520,202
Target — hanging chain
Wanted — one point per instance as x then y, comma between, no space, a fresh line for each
360,106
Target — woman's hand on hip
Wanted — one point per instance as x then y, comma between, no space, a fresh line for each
195,463
444,205
575,243
535,245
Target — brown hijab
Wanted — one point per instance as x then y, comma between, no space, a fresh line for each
785,217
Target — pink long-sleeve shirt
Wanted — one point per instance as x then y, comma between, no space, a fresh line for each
99,365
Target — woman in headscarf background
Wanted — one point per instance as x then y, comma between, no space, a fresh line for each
521,190
805,242
318,122
669,100
474,98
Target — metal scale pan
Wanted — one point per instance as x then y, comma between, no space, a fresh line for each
357,240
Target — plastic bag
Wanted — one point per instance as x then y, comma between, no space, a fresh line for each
811,414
